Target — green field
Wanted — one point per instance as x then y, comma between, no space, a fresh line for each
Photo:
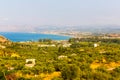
79,60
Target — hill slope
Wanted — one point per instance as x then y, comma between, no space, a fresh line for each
3,39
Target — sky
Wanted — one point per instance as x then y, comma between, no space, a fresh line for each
59,12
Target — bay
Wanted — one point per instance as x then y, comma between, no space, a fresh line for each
17,36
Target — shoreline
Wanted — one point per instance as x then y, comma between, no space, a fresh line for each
29,36
57,34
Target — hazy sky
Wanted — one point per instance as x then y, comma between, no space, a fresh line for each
59,12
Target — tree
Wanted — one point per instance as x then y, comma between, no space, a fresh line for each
2,76
70,72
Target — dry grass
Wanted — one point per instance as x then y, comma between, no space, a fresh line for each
52,75
109,66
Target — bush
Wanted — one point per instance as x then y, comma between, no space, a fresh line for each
70,72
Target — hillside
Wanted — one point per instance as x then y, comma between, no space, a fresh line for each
81,60
3,39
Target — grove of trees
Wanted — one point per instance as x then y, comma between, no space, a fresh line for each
80,61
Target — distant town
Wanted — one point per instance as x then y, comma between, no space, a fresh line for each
77,34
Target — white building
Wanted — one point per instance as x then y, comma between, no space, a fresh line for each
30,62
66,45
62,57
96,45
45,45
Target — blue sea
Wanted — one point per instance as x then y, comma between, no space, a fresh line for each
17,37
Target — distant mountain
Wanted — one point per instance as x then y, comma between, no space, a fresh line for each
40,29
93,29
99,29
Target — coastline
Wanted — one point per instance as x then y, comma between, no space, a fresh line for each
29,36
57,34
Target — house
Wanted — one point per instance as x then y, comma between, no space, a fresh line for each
66,45
45,45
62,57
96,45
10,68
30,63
73,54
